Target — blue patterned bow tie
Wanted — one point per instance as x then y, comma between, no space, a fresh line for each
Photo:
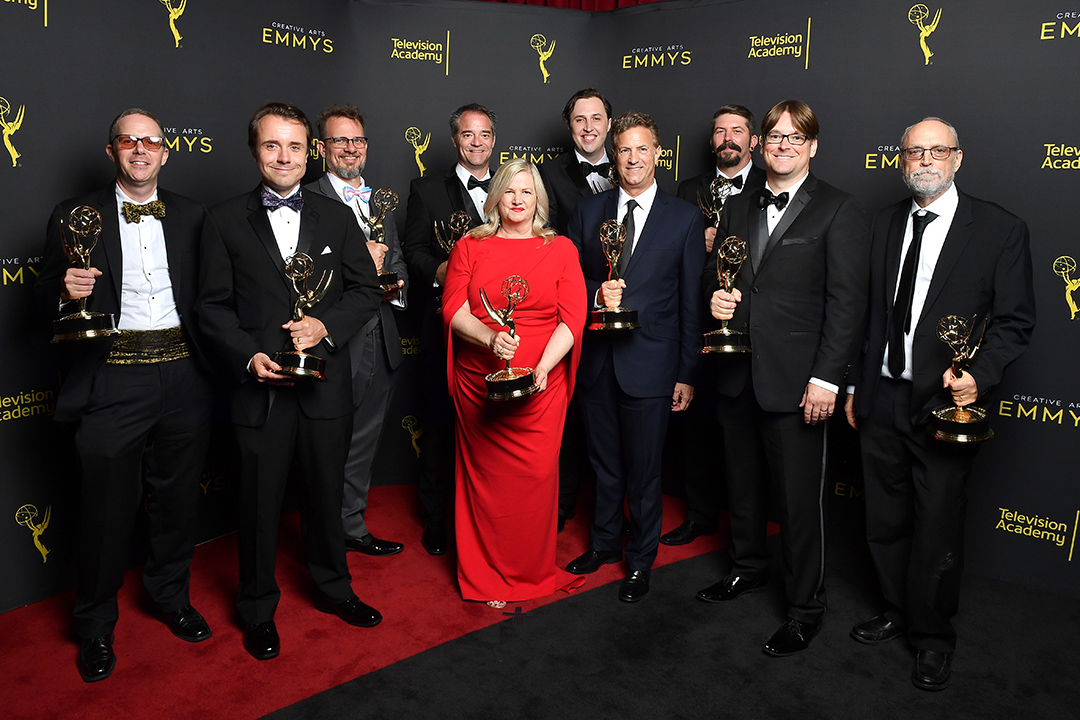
272,202
352,193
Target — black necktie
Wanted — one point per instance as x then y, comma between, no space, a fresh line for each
601,169
905,291
628,246
474,183
133,212
272,202
767,198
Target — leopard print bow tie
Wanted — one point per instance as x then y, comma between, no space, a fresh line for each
133,212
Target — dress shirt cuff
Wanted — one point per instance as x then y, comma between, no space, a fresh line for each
850,389
834,389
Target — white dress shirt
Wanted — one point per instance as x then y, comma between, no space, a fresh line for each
285,222
478,194
146,295
599,183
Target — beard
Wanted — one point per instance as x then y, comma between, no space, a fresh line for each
729,160
345,173
927,183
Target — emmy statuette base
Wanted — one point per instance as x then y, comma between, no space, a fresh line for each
388,280
613,319
961,425
300,365
510,384
82,326
726,340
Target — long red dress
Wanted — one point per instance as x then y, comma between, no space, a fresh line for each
507,470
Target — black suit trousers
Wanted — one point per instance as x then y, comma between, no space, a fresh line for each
266,452
143,424
915,503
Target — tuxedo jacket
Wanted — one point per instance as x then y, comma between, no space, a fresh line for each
983,272
662,283
431,199
804,302
245,298
184,225
566,187
394,261
698,187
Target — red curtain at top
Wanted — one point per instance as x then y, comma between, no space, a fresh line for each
591,5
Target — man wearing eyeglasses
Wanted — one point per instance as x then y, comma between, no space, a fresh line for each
140,401
375,351
432,200
939,252
801,295
245,307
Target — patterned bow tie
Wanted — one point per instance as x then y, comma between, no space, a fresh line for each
767,198
134,212
272,202
474,183
352,193
601,169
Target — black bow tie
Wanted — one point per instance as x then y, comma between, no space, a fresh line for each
736,182
474,183
767,198
602,169
272,202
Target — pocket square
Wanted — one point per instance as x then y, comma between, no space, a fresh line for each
326,250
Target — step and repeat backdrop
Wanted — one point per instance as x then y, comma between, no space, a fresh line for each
1004,73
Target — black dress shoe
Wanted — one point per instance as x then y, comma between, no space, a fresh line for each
371,545
731,587
933,670
434,540
876,630
591,561
186,624
634,586
685,533
261,640
96,658
792,637
352,611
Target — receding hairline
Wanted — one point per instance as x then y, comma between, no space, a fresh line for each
931,118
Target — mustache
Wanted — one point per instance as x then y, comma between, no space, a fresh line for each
728,145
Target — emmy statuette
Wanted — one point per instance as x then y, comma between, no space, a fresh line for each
729,258
612,239
383,201
954,424
297,363
448,233
84,230
510,382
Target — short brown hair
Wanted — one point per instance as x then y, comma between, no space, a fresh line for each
283,110
736,110
345,111
802,117
634,119
581,95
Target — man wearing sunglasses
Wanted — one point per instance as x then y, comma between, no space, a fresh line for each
801,295
375,350
936,253
140,401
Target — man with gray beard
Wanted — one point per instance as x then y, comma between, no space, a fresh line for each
937,253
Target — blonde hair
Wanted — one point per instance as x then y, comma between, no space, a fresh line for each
499,183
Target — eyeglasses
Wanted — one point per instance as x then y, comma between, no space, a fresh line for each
938,152
128,142
775,138
341,142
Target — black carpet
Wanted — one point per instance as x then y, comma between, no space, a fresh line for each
671,656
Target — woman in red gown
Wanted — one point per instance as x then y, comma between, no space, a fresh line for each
507,452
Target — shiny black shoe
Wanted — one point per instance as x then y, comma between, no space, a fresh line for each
371,545
933,670
792,637
186,624
592,560
261,640
634,586
352,611
96,658
876,630
731,587
434,540
685,534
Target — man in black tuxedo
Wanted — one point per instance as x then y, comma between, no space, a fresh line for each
140,401
375,351
432,200
630,380
801,295
732,143
568,178
245,307
938,253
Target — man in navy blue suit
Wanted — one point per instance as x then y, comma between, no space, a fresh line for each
630,380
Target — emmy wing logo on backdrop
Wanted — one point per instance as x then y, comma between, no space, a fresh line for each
412,136
8,126
537,42
410,424
26,515
1064,267
176,9
917,15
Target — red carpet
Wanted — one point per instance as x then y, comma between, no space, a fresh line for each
160,676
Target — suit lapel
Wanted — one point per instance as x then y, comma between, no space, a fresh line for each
893,248
955,242
573,171
795,206
110,239
460,198
261,225
309,222
170,227
653,220
758,226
